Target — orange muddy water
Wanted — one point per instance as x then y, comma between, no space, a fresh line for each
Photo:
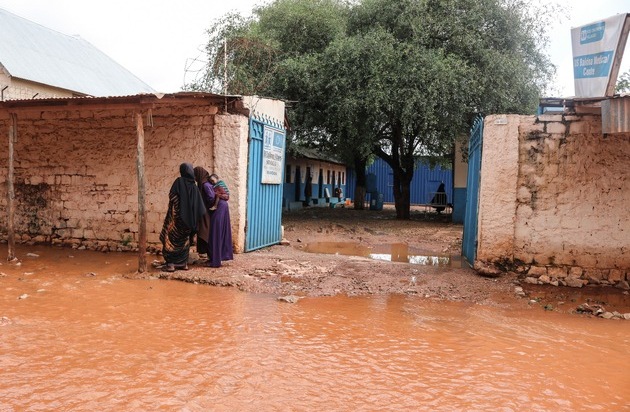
87,339
394,252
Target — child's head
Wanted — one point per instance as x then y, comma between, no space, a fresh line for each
214,179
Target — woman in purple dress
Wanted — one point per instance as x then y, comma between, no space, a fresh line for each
220,236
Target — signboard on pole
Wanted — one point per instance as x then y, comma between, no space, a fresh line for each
273,156
597,51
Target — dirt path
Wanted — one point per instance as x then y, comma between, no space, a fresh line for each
293,270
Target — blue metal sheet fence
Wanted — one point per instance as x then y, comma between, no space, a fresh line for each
425,182
469,241
264,201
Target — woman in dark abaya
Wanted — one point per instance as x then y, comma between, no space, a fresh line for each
185,208
202,177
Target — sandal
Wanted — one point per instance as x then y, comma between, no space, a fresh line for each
169,267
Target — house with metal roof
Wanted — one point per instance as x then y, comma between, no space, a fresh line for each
38,62
312,178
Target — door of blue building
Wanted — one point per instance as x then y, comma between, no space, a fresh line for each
264,184
320,184
469,241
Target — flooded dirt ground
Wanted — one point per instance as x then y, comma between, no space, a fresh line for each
96,341
386,324
354,253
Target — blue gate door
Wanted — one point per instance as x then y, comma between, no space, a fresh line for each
265,175
469,242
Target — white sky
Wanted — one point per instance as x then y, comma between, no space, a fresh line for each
156,39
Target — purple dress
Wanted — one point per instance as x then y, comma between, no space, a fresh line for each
220,237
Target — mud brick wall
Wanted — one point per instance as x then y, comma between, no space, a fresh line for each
554,199
75,171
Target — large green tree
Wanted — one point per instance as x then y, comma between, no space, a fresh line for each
397,78
445,60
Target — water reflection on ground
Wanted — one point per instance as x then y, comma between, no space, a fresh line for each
394,252
77,340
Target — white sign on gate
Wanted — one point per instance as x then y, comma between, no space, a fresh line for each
273,156
597,53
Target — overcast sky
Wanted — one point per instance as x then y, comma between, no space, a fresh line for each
157,39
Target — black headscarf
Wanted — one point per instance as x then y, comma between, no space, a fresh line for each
190,202
201,176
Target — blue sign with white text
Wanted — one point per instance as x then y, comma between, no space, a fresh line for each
592,32
593,65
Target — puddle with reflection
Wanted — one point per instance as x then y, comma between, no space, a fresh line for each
393,252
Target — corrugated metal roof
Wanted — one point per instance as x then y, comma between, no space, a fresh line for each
64,103
33,52
296,150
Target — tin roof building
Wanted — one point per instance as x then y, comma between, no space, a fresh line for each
37,62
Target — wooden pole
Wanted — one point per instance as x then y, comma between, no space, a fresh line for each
11,190
142,213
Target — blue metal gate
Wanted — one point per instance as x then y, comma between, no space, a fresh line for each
469,242
264,200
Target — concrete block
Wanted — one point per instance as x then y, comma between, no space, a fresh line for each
537,271
557,272
556,128
615,275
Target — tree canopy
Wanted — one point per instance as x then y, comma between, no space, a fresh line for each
394,78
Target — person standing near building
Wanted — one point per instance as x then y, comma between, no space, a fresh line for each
185,208
220,238
202,177
308,190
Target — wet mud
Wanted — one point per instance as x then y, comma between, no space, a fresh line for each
82,331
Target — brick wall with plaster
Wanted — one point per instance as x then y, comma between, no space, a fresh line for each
75,171
554,198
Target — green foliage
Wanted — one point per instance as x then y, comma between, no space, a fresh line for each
623,83
395,78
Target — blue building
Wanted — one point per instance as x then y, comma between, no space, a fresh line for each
424,184
312,179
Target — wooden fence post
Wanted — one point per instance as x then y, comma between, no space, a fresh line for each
11,190
142,213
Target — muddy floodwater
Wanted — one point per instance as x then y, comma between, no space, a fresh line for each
394,252
91,340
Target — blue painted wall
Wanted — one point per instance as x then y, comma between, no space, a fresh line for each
459,204
425,181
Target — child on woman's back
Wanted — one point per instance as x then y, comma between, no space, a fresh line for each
220,189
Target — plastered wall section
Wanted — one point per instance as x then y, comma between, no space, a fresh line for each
17,89
497,188
571,192
460,166
315,166
267,108
230,163
75,172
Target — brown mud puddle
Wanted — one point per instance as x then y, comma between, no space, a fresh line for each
393,252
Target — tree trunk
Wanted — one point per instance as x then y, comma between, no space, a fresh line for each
402,198
402,165
359,191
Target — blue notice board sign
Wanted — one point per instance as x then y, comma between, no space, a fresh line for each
273,155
